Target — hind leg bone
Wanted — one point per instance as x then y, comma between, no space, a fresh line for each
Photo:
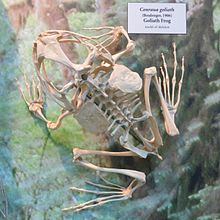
112,192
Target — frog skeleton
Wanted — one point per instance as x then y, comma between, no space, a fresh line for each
104,97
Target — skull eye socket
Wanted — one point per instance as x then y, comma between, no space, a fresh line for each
84,76
89,95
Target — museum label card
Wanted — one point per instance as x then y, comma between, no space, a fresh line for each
157,18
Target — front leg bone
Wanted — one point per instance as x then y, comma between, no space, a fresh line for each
167,98
150,74
170,98
57,124
34,99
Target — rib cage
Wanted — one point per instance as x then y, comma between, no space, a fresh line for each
120,110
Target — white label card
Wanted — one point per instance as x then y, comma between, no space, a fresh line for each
157,18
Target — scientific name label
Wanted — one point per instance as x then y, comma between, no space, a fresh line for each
157,18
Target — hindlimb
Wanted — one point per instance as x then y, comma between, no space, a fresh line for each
110,191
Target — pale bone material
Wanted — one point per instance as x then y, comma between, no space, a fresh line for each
105,98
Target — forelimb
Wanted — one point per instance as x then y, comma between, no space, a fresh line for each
34,99
167,100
